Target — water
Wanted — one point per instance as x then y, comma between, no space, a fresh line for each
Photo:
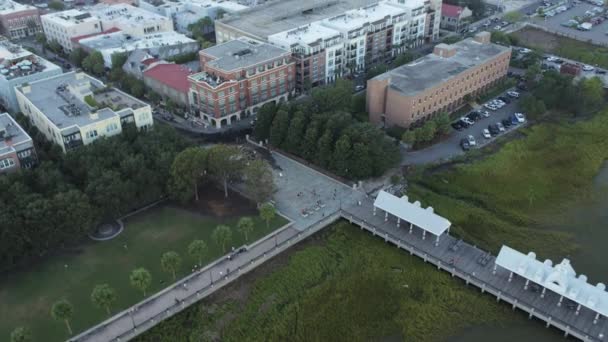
588,221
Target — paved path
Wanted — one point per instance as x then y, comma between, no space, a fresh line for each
300,187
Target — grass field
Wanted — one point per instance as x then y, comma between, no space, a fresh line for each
340,285
26,297
506,196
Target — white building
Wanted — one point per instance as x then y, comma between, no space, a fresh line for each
63,26
137,22
160,45
75,109
185,12
18,66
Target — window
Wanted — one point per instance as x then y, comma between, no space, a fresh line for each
6,163
91,134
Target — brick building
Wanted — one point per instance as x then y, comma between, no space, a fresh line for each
16,147
18,20
454,18
436,83
238,77
169,80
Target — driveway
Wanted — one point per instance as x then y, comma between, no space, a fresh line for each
450,147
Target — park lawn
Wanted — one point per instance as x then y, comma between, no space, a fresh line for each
27,296
505,197
341,285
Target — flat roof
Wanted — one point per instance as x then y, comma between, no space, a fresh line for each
306,34
71,17
61,106
431,70
119,39
561,278
278,16
242,53
8,7
14,135
126,14
369,14
16,61
424,218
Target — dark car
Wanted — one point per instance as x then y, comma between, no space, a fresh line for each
464,143
504,99
522,86
558,61
474,116
507,123
458,125
600,71
493,130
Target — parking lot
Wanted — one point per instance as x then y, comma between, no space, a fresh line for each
597,33
451,147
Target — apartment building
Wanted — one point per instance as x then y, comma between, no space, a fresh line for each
16,147
75,109
237,78
18,20
455,18
18,66
439,82
132,21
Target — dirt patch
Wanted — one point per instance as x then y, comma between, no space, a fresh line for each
532,37
213,203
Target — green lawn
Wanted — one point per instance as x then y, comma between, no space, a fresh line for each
26,297
344,286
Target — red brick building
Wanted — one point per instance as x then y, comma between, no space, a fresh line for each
237,78
169,80
19,20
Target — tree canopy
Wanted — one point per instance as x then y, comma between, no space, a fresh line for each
141,279
103,296
94,63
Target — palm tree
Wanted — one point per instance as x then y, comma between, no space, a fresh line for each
245,226
267,213
62,311
170,262
21,334
197,249
141,279
222,236
103,296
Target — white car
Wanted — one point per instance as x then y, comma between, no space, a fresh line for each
471,140
588,68
513,94
497,27
467,120
484,113
486,134
501,128
524,51
552,59
490,106
520,117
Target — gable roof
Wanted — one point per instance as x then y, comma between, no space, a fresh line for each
173,75
451,11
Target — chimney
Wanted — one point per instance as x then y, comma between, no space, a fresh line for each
444,50
482,37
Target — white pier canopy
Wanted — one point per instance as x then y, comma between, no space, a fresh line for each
412,213
560,279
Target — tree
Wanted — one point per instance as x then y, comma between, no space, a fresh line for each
427,132
186,172
170,263
245,227
532,106
499,37
342,155
56,5
103,296
267,213
309,145
94,63
225,162
265,117
77,56
197,249
278,131
259,180
403,58
295,133
62,310
119,59
375,71
55,46
513,16
442,123
141,279
222,236
324,151
409,137
591,92
21,334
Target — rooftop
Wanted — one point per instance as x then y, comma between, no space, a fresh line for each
172,75
126,14
16,62
278,16
307,35
11,134
432,69
369,14
71,17
227,5
242,53
125,42
8,7
61,98
451,11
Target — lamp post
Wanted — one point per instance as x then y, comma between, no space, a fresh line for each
131,312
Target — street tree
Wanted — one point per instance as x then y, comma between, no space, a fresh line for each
409,137
103,296
442,123
198,249
245,227
62,310
591,92
222,236
342,155
186,172
77,56
94,63
141,279
265,117
170,263
56,5
267,213
259,180
280,126
21,334
225,163
295,133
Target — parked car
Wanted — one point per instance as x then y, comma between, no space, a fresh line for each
504,99
506,122
588,68
501,128
467,121
485,113
474,116
464,144
490,106
551,59
486,133
493,130
359,87
471,140
513,94
520,117
600,72
458,125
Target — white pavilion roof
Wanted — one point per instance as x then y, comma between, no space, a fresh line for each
560,278
412,212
